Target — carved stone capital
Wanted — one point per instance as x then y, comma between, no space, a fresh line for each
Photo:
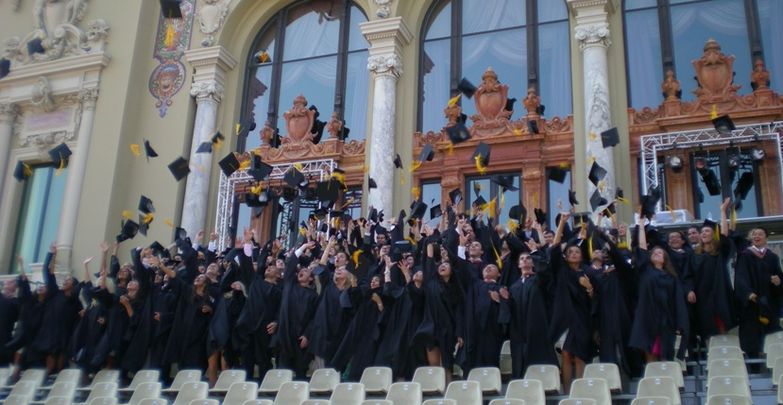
207,90
385,65
589,35
88,98
384,11
8,112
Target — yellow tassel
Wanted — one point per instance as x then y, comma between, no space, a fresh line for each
168,42
716,233
61,167
298,166
355,257
416,164
416,193
135,149
450,149
453,101
169,223
590,246
714,112
733,217
263,57
148,218
217,145
481,168
512,225
256,189
302,231
411,240
127,214
623,200
28,171
498,260
502,199
490,207
337,176
244,165
518,132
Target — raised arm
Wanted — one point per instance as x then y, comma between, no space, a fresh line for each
48,271
724,220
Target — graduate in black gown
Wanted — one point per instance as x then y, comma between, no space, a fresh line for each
15,292
661,313
713,295
486,333
758,289
525,310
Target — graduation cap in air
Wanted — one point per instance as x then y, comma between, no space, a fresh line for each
373,214
5,67
229,164
650,201
572,198
723,124
371,183
581,218
207,146
318,125
557,174
435,211
179,168
170,8
244,127
518,213
597,173
711,181
296,179
327,192
399,248
22,171
458,133
397,161
129,231
744,184
60,155
34,46
418,210
597,200
427,153
157,248
466,87
455,196
480,201
145,205
254,200
148,150
540,215
481,156
610,137
540,109
180,234
258,169
506,183
532,126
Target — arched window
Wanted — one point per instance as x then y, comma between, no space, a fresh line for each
314,48
525,42
669,34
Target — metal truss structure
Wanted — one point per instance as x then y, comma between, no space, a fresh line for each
652,145
226,202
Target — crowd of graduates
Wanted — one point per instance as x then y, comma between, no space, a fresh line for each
401,293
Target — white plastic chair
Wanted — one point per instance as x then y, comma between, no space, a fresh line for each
577,401
58,401
204,402
274,379
154,401
141,377
293,393
144,391
595,388
488,379
659,387
317,402
348,394
103,400
725,353
772,338
729,400
227,378
431,379
377,402
651,401
549,376
324,380
723,340
507,401
727,386
670,369
73,375
440,401
506,367
190,391
17,400
240,392
376,379
464,392
608,371
531,391
63,389
405,393
183,377
102,390
258,402
725,368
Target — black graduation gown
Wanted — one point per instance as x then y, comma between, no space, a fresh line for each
714,295
9,314
187,343
250,335
571,307
527,315
360,343
661,309
138,335
228,307
165,303
330,322
297,309
60,315
752,276
89,331
485,332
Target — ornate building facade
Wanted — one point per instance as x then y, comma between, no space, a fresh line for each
351,84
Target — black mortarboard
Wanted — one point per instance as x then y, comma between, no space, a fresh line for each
517,212
204,147
60,155
373,215
532,126
435,211
180,234
618,194
744,185
179,168
371,183
427,153
466,87
572,197
455,196
145,205
5,67
458,133
22,171
327,191
480,201
143,226
597,200
170,8
462,118
723,124
557,174
649,202
581,218
597,173
296,179
709,223
400,247
510,104
148,150
258,169
477,187
610,137
397,161
711,182
129,231
506,183
418,210
157,248
540,216
35,45
229,164
540,109
482,152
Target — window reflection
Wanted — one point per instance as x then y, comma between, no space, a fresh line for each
501,14
315,79
770,12
430,195
313,29
356,101
435,68
644,58
557,195
487,189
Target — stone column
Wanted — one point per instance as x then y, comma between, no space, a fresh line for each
592,33
77,166
211,65
386,37
8,114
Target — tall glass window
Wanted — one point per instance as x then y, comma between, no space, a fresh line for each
40,214
487,189
430,195
315,49
525,42
557,195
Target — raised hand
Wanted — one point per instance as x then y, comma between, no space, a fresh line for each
53,248
104,247
87,261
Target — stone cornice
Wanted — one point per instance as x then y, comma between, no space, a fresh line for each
210,66
386,36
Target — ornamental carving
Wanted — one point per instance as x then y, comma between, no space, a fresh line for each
208,89
592,34
671,87
490,100
532,102
334,126
41,96
299,122
210,19
385,65
384,11
759,79
714,73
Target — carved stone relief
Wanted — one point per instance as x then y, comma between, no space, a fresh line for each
210,19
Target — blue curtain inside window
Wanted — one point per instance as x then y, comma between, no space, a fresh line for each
356,102
771,13
436,71
478,16
643,45
557,193
554,65
430,195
